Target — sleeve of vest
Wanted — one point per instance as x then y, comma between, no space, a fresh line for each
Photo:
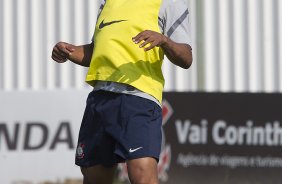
177,23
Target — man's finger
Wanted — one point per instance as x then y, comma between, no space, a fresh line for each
141,36
137,36
70,48
154,44
149,48
137,40
64,51
144,44
59,56
56,57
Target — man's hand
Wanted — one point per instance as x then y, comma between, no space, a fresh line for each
154,39
178,53
62,51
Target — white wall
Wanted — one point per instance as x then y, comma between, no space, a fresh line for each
236,45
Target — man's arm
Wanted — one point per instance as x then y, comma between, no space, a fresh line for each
178,53
80,55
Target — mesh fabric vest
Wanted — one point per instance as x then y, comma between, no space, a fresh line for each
116,57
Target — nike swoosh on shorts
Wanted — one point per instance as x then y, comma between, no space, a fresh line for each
133,150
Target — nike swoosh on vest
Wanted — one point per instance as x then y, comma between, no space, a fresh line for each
102,24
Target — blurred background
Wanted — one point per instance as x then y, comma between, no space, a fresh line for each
236,44
237,49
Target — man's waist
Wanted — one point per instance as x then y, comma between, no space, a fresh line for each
123,88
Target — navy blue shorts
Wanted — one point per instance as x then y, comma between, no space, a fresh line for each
118,127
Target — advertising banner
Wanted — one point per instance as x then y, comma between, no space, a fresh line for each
223,138
38,135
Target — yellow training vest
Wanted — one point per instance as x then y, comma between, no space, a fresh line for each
116,57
